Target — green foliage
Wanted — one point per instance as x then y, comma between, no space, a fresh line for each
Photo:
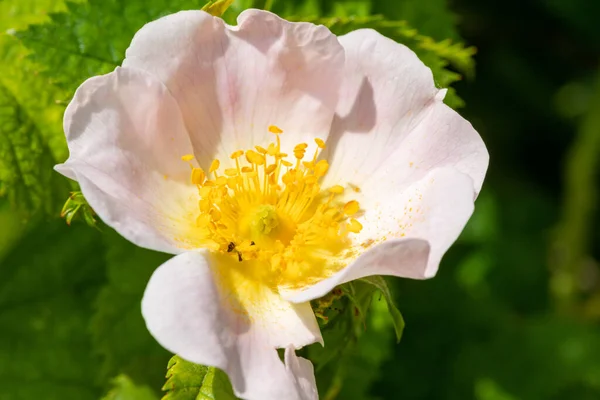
29,118
125,389
432,17
381,285
70,296
358,332
48,281
26,174
189,381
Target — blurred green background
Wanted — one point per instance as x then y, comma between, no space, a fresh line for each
514,312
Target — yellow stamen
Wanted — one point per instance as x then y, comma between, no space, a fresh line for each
198,176
214,166
271,216
351,207
355,226
274,129
337,189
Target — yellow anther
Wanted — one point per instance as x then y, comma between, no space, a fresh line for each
247,169
337,189
321,168
205,205
286,163
215,214
274,129
309,180
231,182
187,157
299,154
255,158
214,166
221,181
202,220
270,169
205,191
231,172
198,176
287,178
351,207
261,149
301,146
272,149
354,226
308,164
320,143
237,154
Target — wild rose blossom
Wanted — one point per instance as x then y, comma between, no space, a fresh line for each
276,161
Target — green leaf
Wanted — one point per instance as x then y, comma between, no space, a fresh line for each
18,14
189,381
26,174
31,138
431,17
381,285
119,332
217,7
125,389
48,281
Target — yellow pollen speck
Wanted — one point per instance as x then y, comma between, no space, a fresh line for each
274,129
187,157
214,166
351,207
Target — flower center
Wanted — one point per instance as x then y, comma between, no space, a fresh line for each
271,215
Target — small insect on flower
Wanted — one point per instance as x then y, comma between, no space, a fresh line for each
276,161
